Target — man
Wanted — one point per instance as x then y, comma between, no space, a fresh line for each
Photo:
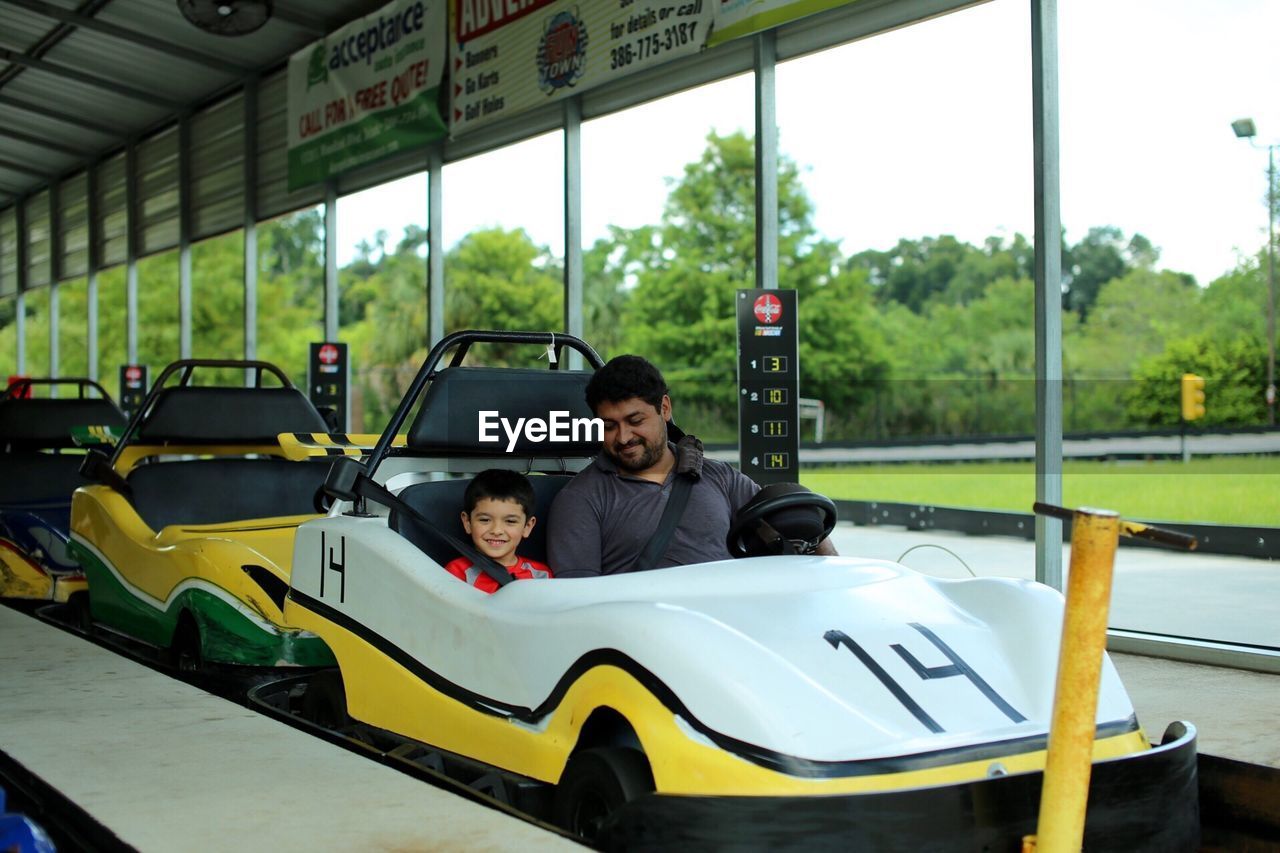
602,520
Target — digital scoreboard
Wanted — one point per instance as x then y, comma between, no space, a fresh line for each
328,383
768,386
133,387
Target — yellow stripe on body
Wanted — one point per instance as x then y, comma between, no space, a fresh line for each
297,447
382,693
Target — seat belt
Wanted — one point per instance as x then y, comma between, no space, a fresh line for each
348,481
657,547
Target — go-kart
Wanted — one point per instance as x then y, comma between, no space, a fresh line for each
787,700
187,532
39,469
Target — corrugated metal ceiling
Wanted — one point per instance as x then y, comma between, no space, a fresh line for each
79,78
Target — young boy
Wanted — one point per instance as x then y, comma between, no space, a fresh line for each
498,516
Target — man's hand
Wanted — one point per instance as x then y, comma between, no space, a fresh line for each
826,549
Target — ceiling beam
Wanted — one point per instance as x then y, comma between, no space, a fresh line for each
43,142
58,115
88,79
67,16
303,22
26,170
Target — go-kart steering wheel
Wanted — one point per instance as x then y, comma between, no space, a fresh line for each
752,514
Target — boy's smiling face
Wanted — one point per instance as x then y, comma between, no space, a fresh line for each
497,526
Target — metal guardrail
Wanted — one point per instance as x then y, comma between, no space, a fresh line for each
1259,542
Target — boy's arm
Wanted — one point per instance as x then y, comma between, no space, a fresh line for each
573,536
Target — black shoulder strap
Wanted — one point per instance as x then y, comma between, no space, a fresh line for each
657,546
366,487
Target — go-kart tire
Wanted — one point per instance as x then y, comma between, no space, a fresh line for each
185,654
595,783
325,702
81,614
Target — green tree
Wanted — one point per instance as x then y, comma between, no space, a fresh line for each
1234,374
681,307
1101,256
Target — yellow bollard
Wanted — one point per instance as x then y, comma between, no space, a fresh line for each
1065,795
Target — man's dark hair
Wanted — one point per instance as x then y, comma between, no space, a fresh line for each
499,484
624,377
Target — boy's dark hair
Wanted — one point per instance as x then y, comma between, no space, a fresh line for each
624,377
499,484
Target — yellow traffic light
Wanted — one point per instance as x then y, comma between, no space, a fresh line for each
1192,397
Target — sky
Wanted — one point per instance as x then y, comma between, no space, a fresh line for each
926,130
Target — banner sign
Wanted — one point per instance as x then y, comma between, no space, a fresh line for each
366,91
737,18
513,55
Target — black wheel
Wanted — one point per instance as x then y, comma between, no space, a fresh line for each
185,654
325,702
596,783
81,615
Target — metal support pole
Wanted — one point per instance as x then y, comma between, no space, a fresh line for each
184,237
573,272
250,223
91,294
20,330
55,275
331,260
53,334
766,161
1271,285
1048,286
20,224
131,254
435,246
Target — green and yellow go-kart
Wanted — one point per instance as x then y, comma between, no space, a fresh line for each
39,470
187,534
761,702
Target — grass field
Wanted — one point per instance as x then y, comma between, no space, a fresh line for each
1219,490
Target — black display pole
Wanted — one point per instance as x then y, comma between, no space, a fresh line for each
328,381
768,386
133,387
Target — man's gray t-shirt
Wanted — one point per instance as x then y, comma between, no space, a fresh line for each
601,521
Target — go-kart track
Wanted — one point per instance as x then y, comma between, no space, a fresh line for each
80,719
874,700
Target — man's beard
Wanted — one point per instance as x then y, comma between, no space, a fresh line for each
647,459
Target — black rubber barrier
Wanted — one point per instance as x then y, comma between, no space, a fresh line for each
1239,804
1146,801
1260,542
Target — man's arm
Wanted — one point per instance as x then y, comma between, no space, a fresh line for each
573,536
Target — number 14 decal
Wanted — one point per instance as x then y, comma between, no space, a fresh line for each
957,667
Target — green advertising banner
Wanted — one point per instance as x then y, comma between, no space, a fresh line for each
513,55
737,18
367,91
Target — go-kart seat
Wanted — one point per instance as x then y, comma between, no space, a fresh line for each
194,414
214,491
46,423
35,478
442,503
227,487
43,482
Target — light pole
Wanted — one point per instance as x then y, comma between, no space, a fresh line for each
1245,129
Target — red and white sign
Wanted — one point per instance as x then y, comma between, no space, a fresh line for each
328,354
768,308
